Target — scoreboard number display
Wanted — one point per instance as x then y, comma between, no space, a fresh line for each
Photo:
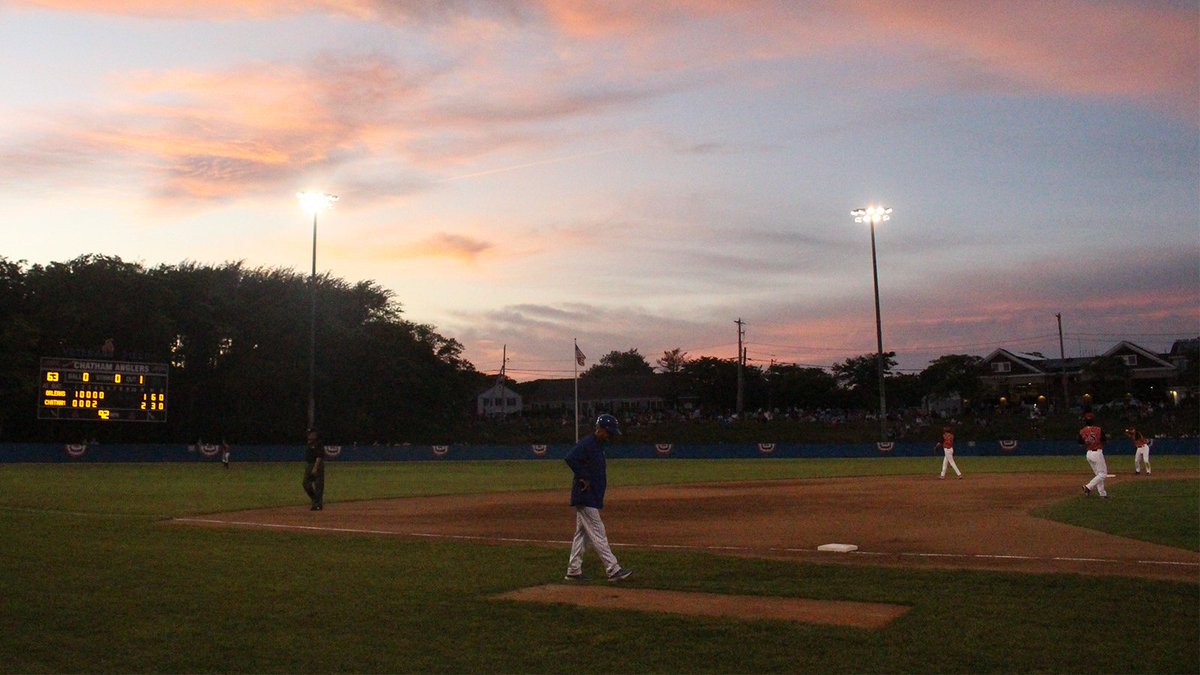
112,391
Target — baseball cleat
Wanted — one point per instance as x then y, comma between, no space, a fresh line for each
577,577
1087,491
620,574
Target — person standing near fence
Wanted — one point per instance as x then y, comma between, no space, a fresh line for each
947,446
1141,450
1092,438
589,466
314,471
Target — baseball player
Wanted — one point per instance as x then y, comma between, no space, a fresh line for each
1141,452
588,464
947,446
1092,438
314,471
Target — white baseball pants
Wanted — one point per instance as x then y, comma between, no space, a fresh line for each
589,532
949,459
1142,456
1100,467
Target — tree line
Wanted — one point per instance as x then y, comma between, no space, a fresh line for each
712,383
853,384
237,341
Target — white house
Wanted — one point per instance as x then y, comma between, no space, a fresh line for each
497,401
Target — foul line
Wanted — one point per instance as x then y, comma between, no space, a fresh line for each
681,547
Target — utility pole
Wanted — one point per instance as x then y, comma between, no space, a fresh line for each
741,360
498,397
1063,358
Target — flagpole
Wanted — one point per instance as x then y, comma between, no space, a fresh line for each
575,359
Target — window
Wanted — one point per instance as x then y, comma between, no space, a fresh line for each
1001,367
1129,359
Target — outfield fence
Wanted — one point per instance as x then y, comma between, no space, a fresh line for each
50,452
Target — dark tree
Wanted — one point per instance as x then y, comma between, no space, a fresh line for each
801,387
954,375
237,342
673,361
619,363
860,376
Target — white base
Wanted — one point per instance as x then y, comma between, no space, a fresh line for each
837,548
1110,475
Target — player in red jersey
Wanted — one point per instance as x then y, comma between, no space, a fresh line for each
1092,438
1141,450
947,446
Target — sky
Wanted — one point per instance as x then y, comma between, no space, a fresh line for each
636,175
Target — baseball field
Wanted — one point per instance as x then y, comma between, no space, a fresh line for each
457,567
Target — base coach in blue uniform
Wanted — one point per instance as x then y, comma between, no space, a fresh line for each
588,463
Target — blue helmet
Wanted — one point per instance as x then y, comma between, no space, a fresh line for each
609,424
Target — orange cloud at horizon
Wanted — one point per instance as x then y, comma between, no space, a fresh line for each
440,245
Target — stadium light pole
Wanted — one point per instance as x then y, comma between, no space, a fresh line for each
314,202
872,215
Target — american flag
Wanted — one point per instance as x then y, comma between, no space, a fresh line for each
579,357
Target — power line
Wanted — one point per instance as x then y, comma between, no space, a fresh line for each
916,347
1127,335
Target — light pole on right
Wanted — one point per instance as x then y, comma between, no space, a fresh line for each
872,215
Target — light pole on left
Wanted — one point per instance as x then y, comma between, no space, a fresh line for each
314,202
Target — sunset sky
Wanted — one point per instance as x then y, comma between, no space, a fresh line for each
633,173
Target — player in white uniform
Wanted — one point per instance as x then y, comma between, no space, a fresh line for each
947,446
1141,452
1092,438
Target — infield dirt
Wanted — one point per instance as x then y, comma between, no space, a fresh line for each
980,522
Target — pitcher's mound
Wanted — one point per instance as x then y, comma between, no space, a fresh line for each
745,607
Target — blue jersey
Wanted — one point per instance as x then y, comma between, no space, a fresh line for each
587,461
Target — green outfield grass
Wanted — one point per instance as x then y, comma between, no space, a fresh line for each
91,580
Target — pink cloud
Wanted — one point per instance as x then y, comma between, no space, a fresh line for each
1148,53
1141,52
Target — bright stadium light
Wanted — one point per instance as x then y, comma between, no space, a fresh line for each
314,202
873,215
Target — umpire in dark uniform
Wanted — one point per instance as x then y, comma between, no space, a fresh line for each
314,470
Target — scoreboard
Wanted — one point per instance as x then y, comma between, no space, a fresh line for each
114,391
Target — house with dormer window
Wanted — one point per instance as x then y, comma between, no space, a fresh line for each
1142,363
1031,374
